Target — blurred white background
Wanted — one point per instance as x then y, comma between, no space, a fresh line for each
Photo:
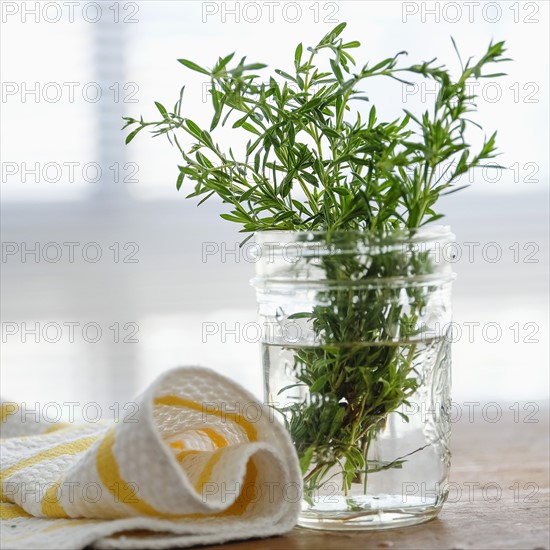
67,79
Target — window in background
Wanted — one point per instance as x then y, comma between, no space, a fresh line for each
173,292
48,110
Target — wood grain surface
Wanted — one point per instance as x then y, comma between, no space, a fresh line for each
499,497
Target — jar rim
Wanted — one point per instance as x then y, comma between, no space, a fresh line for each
421,234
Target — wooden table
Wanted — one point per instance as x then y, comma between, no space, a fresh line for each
510,455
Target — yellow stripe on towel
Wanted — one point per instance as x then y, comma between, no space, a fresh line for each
188,452
176,401
51,507
218,440
71,448
206,473
245,497
110,476
12,511
8,409
109,473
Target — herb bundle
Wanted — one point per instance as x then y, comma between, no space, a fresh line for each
314,161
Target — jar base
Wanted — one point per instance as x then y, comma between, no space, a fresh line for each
366,513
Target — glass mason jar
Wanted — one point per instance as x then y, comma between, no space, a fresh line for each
356,360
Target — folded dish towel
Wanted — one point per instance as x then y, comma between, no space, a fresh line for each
198,461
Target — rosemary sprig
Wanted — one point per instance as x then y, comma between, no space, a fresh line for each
312,162
305,134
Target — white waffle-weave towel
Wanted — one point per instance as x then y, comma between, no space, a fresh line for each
199,461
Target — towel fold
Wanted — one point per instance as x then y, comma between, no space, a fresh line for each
196,460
